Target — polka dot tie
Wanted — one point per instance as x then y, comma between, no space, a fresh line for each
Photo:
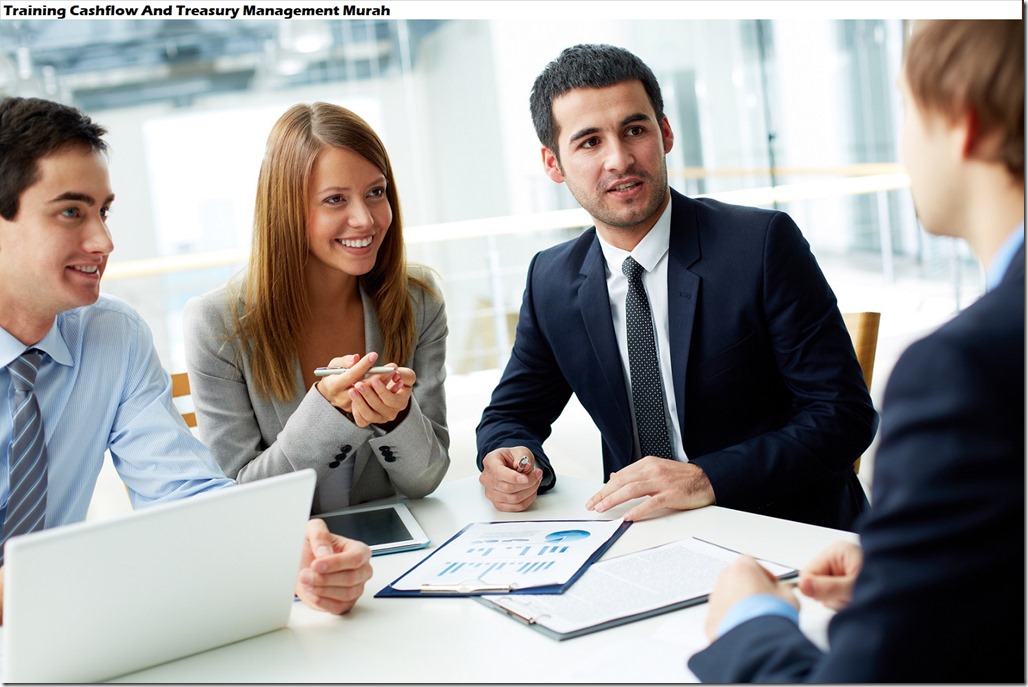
26,503
647,394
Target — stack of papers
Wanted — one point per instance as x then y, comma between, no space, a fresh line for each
628,588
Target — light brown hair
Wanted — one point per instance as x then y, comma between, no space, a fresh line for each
276,309
977,65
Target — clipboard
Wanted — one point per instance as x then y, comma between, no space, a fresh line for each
482,548
613,599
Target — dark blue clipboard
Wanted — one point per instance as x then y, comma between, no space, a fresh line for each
390,592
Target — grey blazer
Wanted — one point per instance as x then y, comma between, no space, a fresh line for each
253,437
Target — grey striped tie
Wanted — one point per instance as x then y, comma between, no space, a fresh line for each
647,394
26,504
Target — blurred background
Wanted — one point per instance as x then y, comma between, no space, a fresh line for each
798,113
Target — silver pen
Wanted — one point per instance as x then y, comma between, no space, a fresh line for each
326,371
522,464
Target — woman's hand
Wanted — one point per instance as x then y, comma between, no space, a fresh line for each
380,399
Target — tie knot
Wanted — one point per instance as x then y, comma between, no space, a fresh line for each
24,368
632,269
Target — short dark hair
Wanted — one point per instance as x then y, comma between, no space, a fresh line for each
586,66
31,129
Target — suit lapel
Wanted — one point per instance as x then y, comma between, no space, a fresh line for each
683,292
594,303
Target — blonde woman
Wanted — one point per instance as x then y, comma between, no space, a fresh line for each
328,285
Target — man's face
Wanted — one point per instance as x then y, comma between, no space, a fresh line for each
612,152
54,251
930,155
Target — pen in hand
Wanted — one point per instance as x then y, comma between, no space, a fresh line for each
522,464
326,371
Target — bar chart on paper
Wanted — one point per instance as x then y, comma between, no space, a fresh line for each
481,570
511,554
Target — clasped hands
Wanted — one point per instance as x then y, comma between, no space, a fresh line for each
377,400
828,578
667,483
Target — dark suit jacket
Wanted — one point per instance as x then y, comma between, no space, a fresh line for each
771,400
941,595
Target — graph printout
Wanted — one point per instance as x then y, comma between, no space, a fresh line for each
514,555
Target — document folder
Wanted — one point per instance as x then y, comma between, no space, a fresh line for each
511,557
627,588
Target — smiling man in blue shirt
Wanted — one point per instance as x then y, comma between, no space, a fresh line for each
98,382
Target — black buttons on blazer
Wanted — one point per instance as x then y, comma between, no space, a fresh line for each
341,456
387,454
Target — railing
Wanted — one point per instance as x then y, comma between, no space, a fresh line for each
876,178
482,293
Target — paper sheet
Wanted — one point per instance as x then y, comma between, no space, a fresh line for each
629,585
511,555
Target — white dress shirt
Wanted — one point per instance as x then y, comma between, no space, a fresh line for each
651,253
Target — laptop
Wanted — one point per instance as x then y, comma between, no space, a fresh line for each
95,600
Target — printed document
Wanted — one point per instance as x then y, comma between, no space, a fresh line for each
508,556
630,587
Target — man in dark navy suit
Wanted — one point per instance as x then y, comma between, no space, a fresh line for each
751,383
935,592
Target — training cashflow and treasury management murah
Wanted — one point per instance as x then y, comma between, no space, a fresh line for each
171,9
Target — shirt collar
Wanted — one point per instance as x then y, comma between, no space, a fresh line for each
1004,256
648,251
53,344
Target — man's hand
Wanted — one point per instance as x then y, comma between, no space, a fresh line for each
829,578
509,489
668,483
745,577
333,569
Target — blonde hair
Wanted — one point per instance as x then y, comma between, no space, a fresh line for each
973,64
276,310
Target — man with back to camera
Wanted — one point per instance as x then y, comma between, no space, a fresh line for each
935,592
79,373
724,351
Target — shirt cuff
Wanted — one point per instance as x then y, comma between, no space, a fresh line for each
755,606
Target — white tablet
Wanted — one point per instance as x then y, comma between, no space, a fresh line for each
386,528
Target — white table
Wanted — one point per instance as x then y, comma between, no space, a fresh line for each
409,640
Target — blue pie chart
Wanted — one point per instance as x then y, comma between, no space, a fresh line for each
567,535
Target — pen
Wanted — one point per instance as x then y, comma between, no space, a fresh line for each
522,464
326,371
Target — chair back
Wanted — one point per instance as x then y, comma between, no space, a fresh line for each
863,329
180,389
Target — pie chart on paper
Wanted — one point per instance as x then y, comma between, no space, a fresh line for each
566,535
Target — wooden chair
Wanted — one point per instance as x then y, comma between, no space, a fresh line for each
863,329
180,388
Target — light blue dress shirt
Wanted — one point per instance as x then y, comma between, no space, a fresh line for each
1004,256
101,386
754,606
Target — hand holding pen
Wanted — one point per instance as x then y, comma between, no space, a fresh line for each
511,478
366,394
